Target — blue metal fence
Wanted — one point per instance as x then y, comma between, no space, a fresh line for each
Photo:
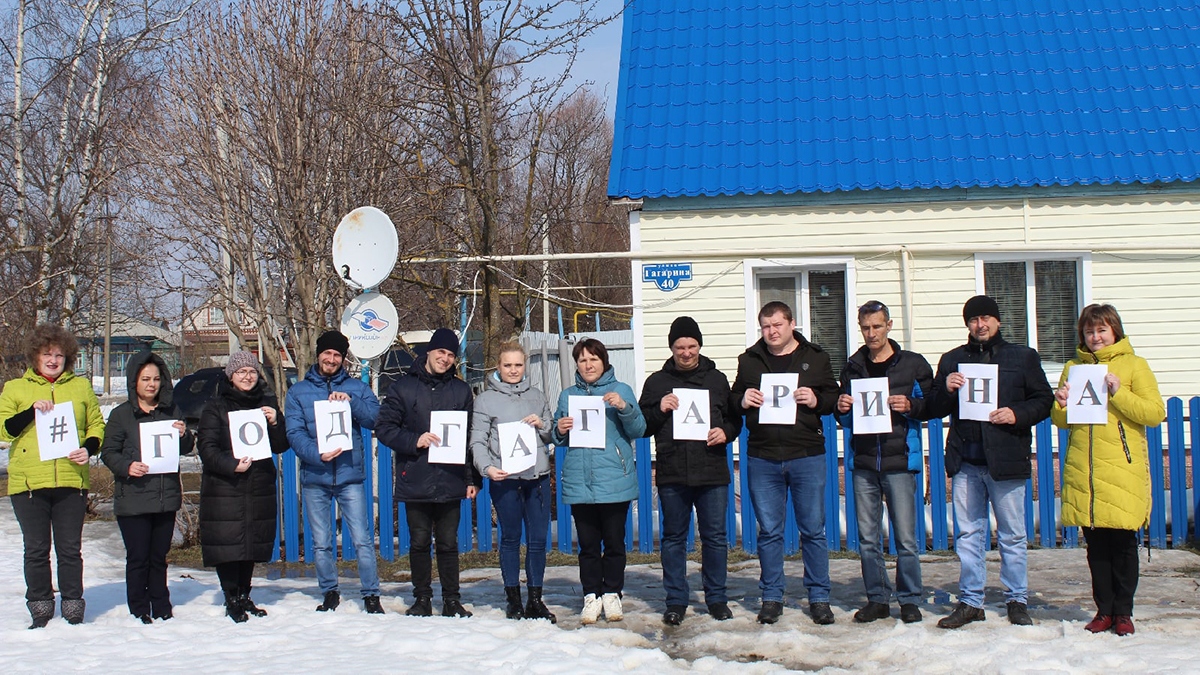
934,521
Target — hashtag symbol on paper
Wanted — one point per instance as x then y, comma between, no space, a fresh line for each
58,429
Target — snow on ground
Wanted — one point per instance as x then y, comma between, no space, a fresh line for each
295,638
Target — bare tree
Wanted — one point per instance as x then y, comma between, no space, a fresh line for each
286,116
480,117
73,65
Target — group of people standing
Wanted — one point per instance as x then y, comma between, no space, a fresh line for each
1105,489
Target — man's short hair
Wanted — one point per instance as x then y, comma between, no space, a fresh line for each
775,307
873,307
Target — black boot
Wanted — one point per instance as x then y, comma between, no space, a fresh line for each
454,607
249,607
421,607
513,609
331,601
535,608
234,609
41,611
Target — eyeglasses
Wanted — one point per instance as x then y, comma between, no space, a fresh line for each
246,372
872,307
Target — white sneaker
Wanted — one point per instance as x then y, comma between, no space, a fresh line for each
612,607
592,606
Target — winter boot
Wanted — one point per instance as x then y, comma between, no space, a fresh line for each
72,611
454,607
249,607
41,611
513,610
234,609
331,601
371,604
535,608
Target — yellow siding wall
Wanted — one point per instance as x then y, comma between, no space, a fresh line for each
1151,290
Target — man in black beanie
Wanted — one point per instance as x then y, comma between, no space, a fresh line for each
691,473
989,462
431,492
338,474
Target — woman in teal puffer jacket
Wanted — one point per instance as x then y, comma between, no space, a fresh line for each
599,483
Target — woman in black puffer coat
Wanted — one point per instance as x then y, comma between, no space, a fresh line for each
237,496
144,503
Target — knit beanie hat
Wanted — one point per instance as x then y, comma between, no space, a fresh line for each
443,338
239,360
684,326
980,305
332,339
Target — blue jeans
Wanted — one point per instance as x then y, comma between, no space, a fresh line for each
352,502
973,490
522,502
710,503
871,488
770,483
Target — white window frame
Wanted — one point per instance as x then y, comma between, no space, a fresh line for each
1083,275
752,269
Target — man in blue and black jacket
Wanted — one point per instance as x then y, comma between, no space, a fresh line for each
337,474
885,465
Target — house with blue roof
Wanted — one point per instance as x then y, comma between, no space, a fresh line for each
830,152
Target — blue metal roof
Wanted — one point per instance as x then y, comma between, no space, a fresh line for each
725,97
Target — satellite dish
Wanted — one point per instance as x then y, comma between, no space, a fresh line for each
370,322
365,247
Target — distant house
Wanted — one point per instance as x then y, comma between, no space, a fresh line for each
1046,153
208,336
128,337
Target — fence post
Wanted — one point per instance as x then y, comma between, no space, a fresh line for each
833,502
483,516
1194,408
731,500
937,484
384,486
1158,514
645,474
564,509
851,502
1045,487
1178,463
1070,534
749,523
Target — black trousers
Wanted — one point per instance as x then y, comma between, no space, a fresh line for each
436,521
147,540
45,515
1112,558
601,531
235,577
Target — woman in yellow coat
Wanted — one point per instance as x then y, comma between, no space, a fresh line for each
1106,482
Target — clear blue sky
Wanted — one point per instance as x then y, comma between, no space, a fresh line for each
602,56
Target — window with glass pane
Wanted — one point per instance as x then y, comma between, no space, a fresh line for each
778,289
827,307
1005,283
1056,292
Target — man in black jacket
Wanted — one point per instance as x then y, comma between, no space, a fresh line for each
885,465
989,461
783,458
691,473
432,492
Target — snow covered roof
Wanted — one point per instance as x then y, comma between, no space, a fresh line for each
720,97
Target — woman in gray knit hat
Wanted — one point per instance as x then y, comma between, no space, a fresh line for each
237,494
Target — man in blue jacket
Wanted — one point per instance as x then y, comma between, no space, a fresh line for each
338,473
885,465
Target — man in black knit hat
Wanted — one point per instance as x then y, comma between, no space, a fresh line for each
691,473
989,461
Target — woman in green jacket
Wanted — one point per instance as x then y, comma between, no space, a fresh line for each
49,497
1106,481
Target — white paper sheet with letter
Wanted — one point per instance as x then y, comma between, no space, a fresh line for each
248,434
159,442
450,426
518,446
333,426
977,398
691,420
588,413
57,434
1088,401
871,412
779,407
